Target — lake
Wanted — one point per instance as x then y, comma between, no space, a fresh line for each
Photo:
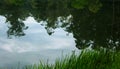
44,30
35,46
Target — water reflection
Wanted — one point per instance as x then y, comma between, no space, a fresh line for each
95,23
37,45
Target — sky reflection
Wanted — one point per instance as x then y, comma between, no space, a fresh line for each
36,45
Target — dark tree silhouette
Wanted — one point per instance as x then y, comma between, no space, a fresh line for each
92,22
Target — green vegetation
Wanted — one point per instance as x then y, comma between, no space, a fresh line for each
88,59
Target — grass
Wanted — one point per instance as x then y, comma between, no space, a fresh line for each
88,59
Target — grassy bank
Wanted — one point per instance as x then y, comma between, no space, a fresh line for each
86,60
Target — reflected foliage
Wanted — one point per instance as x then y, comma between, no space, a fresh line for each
94,23
99,30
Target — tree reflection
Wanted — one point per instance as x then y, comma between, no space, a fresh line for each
94,22
100,29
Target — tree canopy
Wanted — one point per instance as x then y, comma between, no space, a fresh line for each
92,22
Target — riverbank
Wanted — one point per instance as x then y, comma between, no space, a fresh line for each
86,60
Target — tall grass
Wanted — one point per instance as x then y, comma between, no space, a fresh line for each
88,59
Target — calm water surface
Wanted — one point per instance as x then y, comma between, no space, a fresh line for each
95,23
36,45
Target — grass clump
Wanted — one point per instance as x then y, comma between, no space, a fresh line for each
87,59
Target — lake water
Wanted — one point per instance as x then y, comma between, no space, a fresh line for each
36,45
55,28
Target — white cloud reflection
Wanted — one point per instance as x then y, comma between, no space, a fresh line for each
37,44
13,46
